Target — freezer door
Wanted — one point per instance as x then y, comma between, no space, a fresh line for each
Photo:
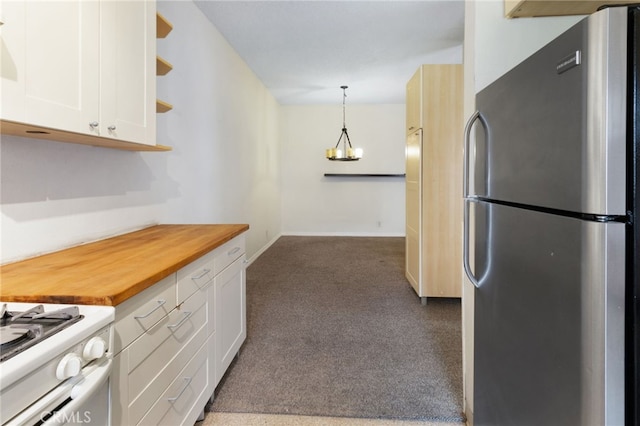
549,319
555,124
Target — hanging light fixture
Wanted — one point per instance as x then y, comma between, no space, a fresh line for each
347,153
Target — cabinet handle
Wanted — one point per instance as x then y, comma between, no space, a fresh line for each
185,317
187,382
159,302
111,128
204,272
234,251
93,124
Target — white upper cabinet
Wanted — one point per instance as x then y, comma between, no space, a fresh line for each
128,70
80,66
49,63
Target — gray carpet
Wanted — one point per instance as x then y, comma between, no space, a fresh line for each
334,329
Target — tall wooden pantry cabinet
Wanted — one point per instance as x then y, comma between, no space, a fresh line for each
434,181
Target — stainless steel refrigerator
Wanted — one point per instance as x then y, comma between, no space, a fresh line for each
551,205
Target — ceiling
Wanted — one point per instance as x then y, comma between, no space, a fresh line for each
303,51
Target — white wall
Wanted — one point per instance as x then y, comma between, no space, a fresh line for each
235,152
494,45
223,130
224,167
500,43
318,205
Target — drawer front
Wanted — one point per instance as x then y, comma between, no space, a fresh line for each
143,311
227,253
196,276
154,350
185,397
140,405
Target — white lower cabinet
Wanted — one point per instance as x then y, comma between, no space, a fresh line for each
140,313
184,399
230,314
182,334
174,341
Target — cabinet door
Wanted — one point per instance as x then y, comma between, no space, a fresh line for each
230,314
127,66
442,180
49,67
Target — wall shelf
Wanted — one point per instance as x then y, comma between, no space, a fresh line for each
162,67
532,8
163,27
162,106
402,175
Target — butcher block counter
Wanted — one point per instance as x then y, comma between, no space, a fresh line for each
110,271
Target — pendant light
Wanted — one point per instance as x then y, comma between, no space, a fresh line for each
347,153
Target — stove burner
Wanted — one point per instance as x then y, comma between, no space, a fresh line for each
13,335
21,330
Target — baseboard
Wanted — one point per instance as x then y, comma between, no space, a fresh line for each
343,234
262,250
316,234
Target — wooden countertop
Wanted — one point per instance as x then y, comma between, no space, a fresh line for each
110,271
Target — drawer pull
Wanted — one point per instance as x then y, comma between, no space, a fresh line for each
185,317
187,382
160,303
204,272
234,251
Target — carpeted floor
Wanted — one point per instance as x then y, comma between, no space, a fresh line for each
334,329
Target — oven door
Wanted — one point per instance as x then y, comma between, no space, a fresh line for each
83,399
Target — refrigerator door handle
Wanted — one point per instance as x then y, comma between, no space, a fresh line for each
467,266
469,198
467,150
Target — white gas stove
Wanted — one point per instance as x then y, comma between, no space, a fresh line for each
55,363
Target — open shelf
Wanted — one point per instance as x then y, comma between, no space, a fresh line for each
162,66
532,8
162,106
163,27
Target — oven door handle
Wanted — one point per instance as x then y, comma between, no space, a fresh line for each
81,392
